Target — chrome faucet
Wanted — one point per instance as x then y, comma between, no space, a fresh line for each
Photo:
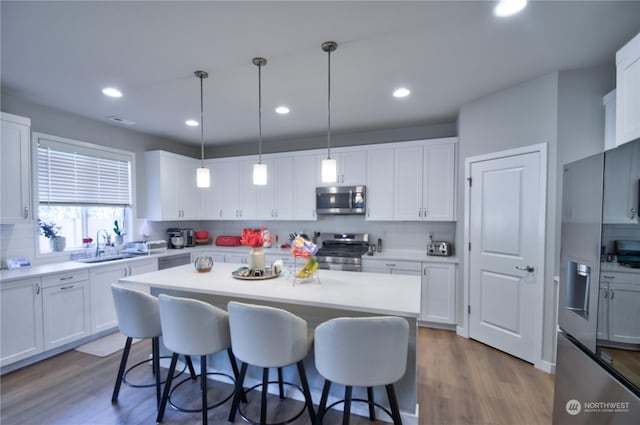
98,240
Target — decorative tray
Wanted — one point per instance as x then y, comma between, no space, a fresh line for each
267,274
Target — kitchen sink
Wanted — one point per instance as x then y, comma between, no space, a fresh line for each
104,259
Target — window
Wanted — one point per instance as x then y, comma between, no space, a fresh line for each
82,188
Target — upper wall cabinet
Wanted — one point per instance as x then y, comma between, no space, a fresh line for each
380,196
621,179
628,92
172,193
350,167
424,181
275,199
609,102
15,169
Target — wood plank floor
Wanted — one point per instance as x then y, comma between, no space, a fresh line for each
460,382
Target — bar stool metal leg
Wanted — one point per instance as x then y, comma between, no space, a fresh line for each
239,392
393,402
155,344
203,388
123,365
306,391
192,371
265,387
323,401
167,387
236,373
372,409
280,385
347,405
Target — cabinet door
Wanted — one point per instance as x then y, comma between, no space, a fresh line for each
21,320
266,195
15,170
621,174
229,179
66,315
438,182
103,311
213,196
283,184
186,192
304,187
624,313
609,103
143,266
438,293
408,165
247,193
380,194
628,92
235,258
352,168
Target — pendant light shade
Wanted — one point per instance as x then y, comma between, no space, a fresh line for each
259,169
329,166
203,178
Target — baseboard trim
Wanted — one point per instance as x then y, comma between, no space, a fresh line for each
461,331
546,366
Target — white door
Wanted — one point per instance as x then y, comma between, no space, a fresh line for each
507,237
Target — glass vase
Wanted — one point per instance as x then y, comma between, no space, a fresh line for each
256,259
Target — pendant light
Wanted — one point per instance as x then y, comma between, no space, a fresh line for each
203,179
329,166
259,169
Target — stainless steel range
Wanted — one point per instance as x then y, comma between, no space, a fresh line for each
342,251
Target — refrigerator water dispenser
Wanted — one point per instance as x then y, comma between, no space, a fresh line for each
578,277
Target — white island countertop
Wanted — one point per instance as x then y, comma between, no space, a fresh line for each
375,293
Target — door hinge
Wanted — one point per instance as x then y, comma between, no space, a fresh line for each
469,309
470,180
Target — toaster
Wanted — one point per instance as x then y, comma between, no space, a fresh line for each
440,248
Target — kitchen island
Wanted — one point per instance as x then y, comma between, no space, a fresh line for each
334,294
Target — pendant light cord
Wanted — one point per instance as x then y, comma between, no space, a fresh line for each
260,113
329,105
201,121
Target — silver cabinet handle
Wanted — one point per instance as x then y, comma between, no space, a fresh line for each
37,289
424,213
613,293
633,213
419,212
66,278
529,269
25,212
221,212
390,265
64,288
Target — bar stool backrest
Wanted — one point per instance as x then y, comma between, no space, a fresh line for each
193,327
265,336
137,312
363,351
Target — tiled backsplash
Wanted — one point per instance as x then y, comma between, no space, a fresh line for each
613,232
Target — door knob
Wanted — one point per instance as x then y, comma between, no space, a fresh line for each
529,269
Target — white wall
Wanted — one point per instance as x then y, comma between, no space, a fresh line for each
563,109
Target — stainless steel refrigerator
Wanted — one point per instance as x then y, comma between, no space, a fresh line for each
597,376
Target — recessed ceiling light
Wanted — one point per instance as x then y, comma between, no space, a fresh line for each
282,110
506,8
401,92
111,92
192,123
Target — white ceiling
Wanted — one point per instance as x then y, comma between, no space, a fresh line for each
61,54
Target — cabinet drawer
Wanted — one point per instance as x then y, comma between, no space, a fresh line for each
62,278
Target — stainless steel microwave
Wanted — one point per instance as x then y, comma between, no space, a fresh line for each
341,200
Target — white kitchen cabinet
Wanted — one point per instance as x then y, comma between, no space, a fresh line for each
275,199
411,268
103,313
172,193
351,166
618,308
622,167
305,168
236,258
603,311
66,308
21,333
424,182
247,192
628,92
217,256
609,103
380,193
15,169
438,303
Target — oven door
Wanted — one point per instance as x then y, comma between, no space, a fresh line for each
333,264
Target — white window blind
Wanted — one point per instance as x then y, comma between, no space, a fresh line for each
79,175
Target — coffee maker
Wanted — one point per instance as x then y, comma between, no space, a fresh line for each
189,237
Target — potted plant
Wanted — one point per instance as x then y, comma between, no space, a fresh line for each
51,232
119,234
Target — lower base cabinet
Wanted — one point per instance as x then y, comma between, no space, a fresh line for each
65,312
438,302
20,320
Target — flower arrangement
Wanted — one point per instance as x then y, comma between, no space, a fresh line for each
252,237
117,230
49,230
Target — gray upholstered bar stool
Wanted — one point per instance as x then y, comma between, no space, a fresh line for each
195,328
268,337
138,317
363,352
